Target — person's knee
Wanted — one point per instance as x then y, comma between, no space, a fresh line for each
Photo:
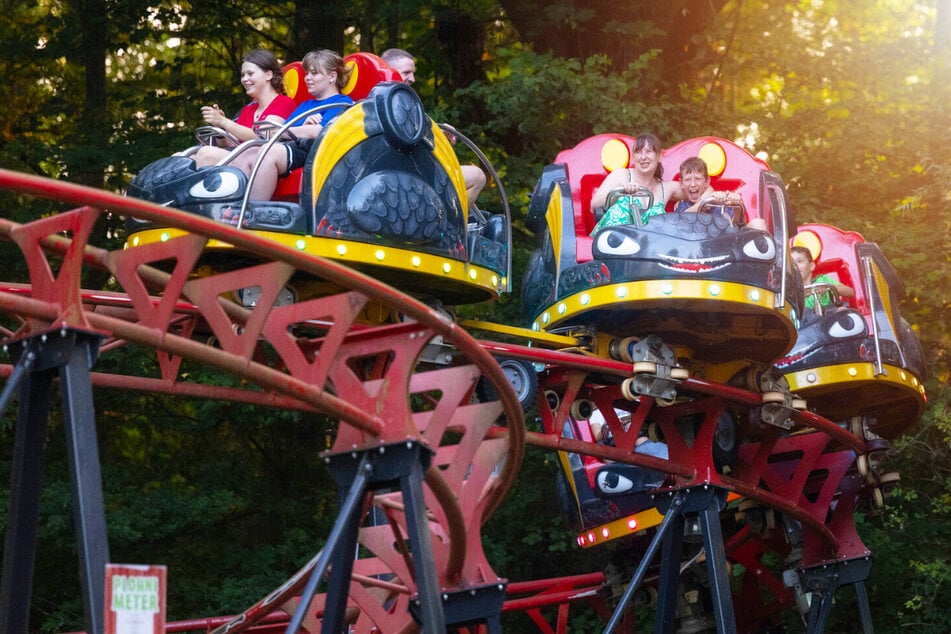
475,180
206,155
473,176
279,157
247,160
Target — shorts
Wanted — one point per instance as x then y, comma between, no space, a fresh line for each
297,152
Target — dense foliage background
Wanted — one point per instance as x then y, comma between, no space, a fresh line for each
847,100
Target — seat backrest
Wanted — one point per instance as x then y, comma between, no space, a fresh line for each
366,71
834,252
731,168
587,165
589,185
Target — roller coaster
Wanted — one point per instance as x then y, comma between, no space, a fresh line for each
717,431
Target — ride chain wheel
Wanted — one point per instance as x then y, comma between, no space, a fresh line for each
317,358
857,426
628,391
861,465
582,409
625,347
681,374
647,367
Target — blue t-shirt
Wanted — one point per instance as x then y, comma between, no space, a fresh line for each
300,148
327,115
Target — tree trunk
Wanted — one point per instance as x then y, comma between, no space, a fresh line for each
463,39
93,129
316,25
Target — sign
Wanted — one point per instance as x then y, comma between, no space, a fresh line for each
135,599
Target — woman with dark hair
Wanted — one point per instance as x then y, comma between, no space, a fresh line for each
263,81
325,76
645,172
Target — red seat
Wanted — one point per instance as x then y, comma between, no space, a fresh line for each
288,188
731,168
294,84
366,71
585,166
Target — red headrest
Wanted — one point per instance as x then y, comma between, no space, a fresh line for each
366,71
294,84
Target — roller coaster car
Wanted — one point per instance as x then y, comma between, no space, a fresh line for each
702,281
856,357
603,500
382,191
590,502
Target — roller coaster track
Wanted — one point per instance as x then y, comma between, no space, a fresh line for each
400,419
316,353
